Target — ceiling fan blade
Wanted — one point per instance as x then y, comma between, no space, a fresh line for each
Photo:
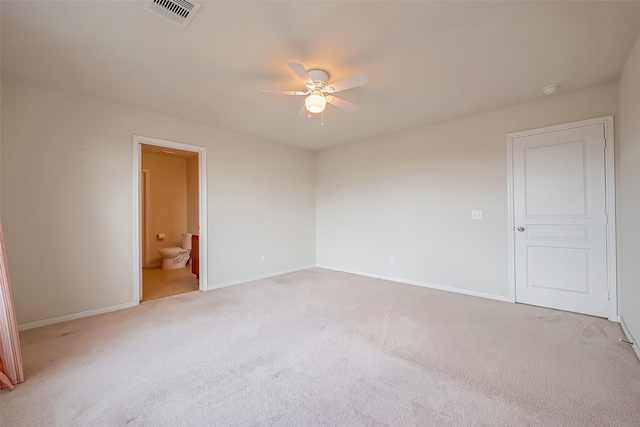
348,83
301,72
284,92
341,103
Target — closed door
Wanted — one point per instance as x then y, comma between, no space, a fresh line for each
560,220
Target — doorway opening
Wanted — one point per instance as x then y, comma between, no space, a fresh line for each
170,218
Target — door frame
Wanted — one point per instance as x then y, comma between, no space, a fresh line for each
144,225
610,204
138,140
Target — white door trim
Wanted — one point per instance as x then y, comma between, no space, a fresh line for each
202,198
610,199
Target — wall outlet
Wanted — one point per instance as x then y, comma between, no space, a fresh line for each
392,259
264,257
476,214
286,254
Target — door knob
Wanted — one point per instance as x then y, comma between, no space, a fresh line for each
520,228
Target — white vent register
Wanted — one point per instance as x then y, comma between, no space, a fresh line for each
178,12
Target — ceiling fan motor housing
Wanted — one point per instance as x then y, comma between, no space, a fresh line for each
320,79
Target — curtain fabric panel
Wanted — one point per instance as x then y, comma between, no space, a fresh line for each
11,371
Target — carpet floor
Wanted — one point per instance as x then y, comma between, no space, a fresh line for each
319,347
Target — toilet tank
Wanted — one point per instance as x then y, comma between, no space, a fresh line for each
186,241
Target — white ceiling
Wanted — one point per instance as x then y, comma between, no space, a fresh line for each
426,61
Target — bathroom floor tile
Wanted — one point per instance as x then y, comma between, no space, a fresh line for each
159,283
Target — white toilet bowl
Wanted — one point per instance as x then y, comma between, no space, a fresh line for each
176,257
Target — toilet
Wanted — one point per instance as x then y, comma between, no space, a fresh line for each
175,257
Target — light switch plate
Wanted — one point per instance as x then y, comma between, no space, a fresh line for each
476,214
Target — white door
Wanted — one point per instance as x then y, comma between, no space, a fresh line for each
560,220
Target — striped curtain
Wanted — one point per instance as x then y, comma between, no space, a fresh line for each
11,371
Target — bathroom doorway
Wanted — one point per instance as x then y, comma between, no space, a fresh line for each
169,221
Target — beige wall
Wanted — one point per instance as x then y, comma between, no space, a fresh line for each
167,202
628,195
67,200
69,227
193,225
410,195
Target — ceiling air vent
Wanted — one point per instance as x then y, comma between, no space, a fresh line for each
178,12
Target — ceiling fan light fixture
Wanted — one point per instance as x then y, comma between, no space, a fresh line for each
318,92
315,103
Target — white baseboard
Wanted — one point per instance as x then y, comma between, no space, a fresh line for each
251,279
627,333
74,316
95,312
423,284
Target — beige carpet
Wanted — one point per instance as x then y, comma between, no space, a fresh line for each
324,348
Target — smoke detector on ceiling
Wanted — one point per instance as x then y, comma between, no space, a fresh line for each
178,12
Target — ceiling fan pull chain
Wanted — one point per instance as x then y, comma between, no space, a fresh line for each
322,124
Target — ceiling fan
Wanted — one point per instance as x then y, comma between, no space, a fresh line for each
319,92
